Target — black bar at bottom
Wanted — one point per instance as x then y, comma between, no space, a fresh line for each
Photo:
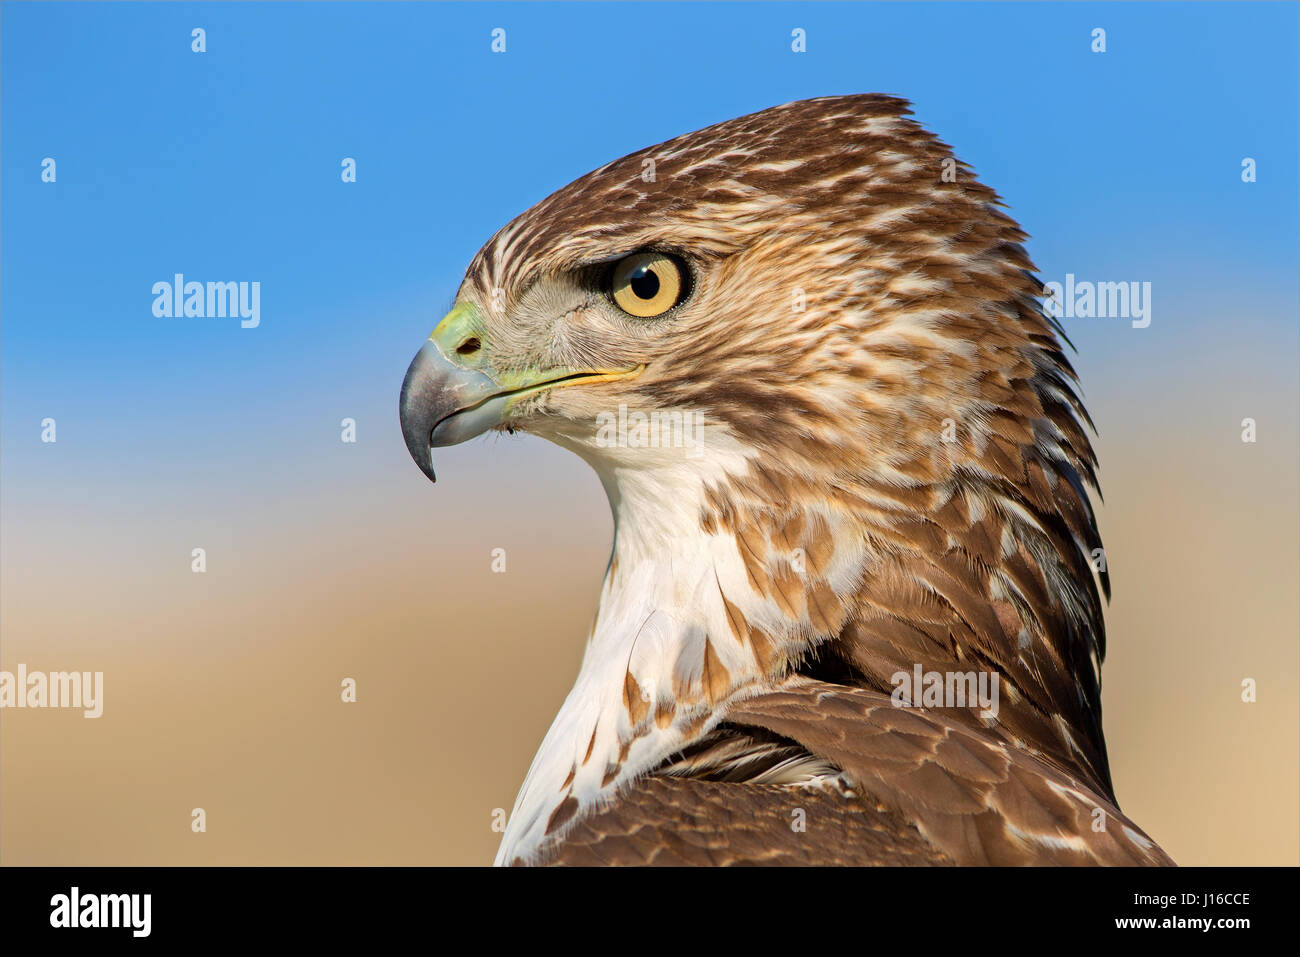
926,907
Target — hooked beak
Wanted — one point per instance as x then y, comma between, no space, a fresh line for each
450,395
443,404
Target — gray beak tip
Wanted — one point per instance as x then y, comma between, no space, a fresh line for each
444,404
419,410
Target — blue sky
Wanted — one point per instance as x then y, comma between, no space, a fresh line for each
225,166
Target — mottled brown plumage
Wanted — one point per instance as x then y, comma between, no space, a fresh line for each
917,789
673,822
895,475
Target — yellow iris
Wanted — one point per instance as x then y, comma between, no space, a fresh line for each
646,285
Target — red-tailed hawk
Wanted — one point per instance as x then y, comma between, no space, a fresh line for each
851,614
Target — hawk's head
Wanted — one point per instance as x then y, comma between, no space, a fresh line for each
803,350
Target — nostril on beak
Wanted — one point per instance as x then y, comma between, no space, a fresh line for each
469,347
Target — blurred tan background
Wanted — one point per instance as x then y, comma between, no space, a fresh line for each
222,690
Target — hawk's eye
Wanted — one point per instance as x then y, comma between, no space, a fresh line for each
646,285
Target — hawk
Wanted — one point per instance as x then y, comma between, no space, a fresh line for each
883,475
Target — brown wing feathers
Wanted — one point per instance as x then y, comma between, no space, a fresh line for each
917,788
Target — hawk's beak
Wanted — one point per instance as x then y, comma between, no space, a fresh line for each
450,394
443,404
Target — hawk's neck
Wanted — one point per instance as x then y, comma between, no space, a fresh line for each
729,573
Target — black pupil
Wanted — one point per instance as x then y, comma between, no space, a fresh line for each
644,283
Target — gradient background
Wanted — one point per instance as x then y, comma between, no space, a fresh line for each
328,560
